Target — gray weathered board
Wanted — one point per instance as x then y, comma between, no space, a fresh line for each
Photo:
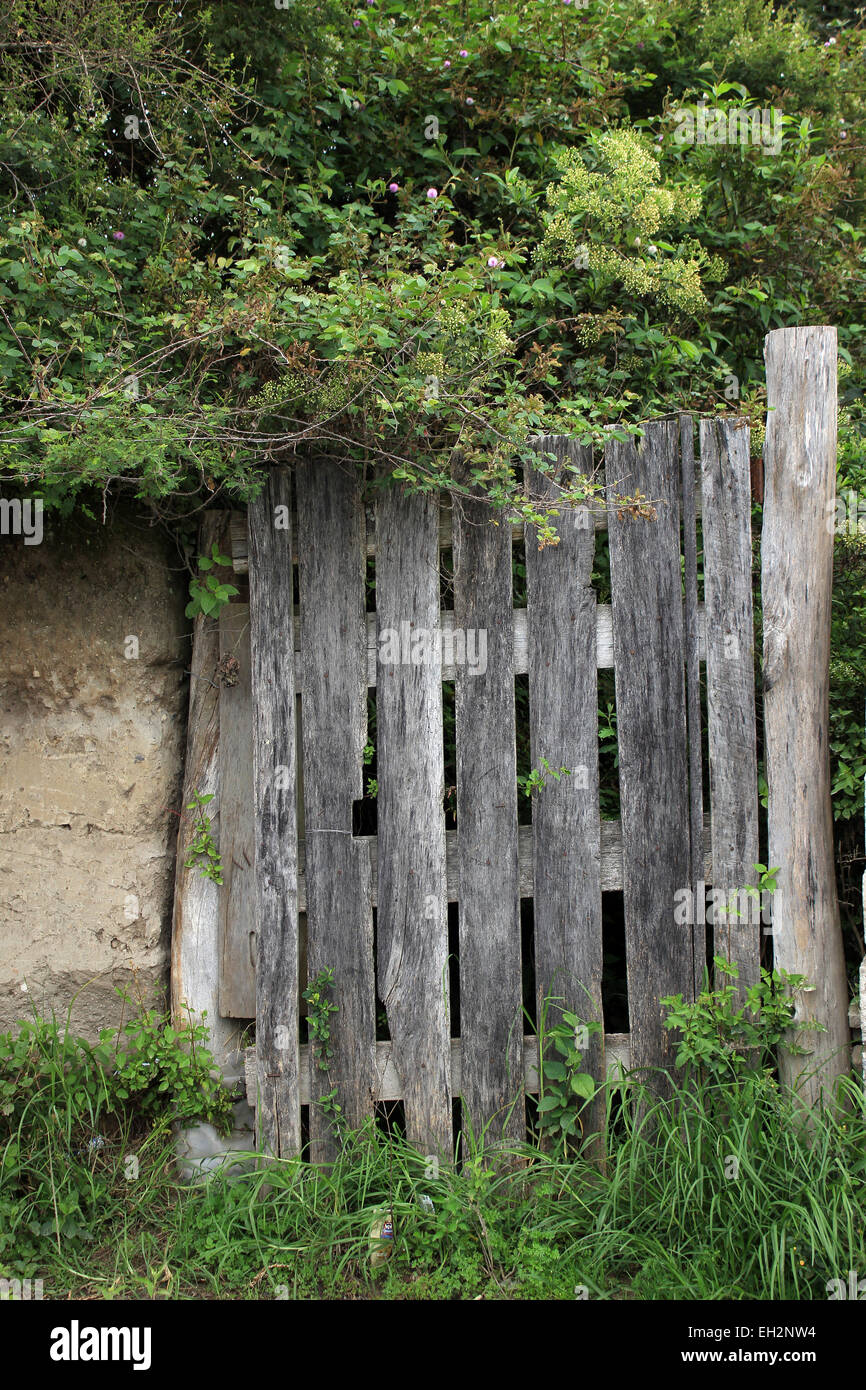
333,665
390,1088
692,638
563,721
195,939
237,844
731,687
491,1023
412,915
278,1107
649,652
610,862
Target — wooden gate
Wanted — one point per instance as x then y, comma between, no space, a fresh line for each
288,851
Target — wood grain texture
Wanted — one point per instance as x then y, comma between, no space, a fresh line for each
278,1110
692,638
727,528
412,921
333,664
796,586
646,590
491,1021
563,714
195,942
237,840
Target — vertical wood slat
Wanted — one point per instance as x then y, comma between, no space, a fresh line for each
646,589
796,585
331,572
195,942
278,1110
491,1021
237,899
727,515
693,699
563,712
412,917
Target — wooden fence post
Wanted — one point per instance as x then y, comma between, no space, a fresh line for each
796,585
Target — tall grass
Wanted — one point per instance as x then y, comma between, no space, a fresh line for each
722,1192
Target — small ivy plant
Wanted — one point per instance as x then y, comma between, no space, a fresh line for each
207,595
319,1010
564,1088
535,780
203,853
766,884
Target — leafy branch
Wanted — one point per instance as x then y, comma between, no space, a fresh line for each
203,847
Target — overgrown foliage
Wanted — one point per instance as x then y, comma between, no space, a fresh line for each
398,234
73,1114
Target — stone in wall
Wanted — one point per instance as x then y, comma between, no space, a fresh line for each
92,735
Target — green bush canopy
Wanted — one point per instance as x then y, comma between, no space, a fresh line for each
402,232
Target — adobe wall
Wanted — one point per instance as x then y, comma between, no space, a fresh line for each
92,742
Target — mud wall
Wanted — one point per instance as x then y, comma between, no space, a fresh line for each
93,699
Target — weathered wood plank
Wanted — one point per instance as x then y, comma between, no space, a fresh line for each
278,1111
331,572
727,527
616,1051
237,841
195,941
491,1024
611,862
412,917
563,719
646,590
692,635
796,585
